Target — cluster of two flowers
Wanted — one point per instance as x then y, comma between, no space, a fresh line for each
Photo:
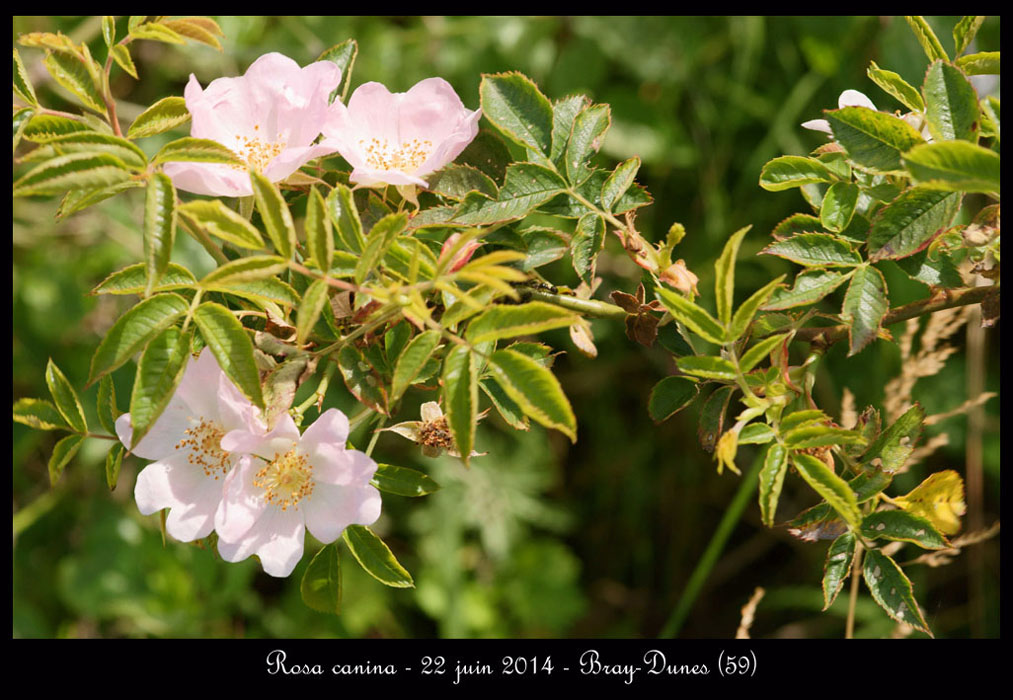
273,115
218,467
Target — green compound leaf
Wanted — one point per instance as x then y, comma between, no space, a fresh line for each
65,398
518,109
892,590
345,217
775,466
951,104
758,352
22,85
403,482
817,435
375,557
76,200
159,228
378,241
865,305
724,276
587,241
39,414
460,395
361,379
193,150
526,187
756,434
955,166
255,267
321,583
154,31
872,139
810,287
838,206
275,214
617,184
63,452
669,396
893,84
894,445
535,389
200,29
343,56
984,63
114,460
840,556
70,71
42,128
412,360
707,367
692,316
106,406
964,31
90,142
218,220
588,131
787,172
815,250
798,419
509,321
313,302
745,313
927,38
911,222
456,181
165,114
831,487
564,111
121,54
902,526
231,345
19,122
158,373
72,171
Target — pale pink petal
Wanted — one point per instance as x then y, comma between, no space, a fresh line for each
276,537
854,98
212,179
430,110
172,482
219,113
195,387
242,503
336,465
331,427
369,178
280,440
818,125
234,410
450,147
291,159
333,508
373,112
195,519
163,436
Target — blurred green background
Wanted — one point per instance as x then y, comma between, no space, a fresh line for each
540,538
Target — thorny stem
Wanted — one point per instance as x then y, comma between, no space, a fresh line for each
856,568
948,299
340,284
588,307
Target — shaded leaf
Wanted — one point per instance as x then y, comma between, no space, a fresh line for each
892,590
320,586
403,482
375,557
838,566
158,373
65,398
951,103
873,139
231,345
832,488
865,305
911,222
669,396
63,452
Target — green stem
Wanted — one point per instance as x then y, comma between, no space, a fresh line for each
856,567
362,415
588,307
381,319
606,215
376,435
201,237
318,395
714,548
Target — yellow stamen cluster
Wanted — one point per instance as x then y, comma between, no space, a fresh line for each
204,445
407,157
256,152
286,480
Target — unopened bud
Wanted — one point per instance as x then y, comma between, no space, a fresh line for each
463,255
679,276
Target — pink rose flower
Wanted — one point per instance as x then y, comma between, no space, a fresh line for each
269,118
190,467
287,482
398,139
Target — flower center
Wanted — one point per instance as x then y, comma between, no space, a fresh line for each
407,157
257,152
203,442
436,434
286,480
